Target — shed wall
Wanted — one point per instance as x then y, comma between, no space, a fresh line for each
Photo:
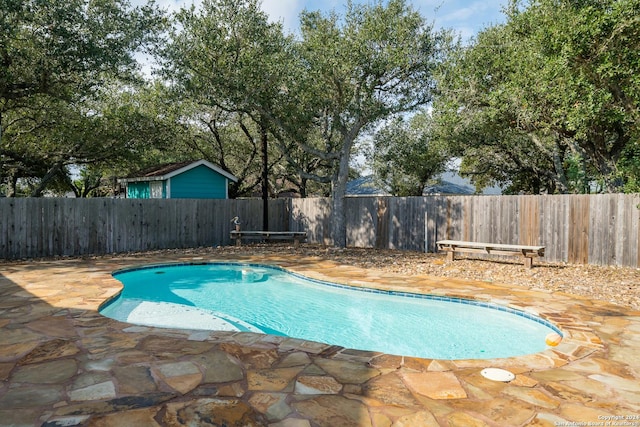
198,183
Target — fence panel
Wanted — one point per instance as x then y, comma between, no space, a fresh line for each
43,227
312,216
601,227
554,229
410,223
612,219
437,220
362,221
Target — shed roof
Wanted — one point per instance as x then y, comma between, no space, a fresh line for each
166,171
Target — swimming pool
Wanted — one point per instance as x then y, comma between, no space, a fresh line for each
259,298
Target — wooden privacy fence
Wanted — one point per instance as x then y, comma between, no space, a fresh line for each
43,227
601,229
596,229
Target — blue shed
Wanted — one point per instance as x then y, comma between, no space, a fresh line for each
186,180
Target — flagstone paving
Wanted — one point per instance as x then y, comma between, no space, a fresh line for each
63,364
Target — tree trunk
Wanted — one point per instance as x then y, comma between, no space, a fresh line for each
52,172
12,187
339,184
265,179
303,188
560,178
556,156
338,192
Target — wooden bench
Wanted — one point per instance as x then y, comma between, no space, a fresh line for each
453,246
296,236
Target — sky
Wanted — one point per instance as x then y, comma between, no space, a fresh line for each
465,17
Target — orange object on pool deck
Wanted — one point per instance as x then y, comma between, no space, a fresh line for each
553,339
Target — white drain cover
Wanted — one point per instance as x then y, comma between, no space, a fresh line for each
496,374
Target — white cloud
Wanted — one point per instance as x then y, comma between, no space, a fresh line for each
285,11
465,17
473,10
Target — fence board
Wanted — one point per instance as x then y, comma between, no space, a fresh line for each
503,221
636,226
482,228
598,231
416,222
561,211
33,241
392,228
58,230
382,223
433,222
395,213
430,225
529,220
609,251
626,253
579,217
610,248
16,232
445,216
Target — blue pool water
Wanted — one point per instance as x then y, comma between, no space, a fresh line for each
241,297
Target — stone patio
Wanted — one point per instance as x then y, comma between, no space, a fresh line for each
63,364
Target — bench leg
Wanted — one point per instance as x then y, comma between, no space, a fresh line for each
528,262
238,241
451,256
